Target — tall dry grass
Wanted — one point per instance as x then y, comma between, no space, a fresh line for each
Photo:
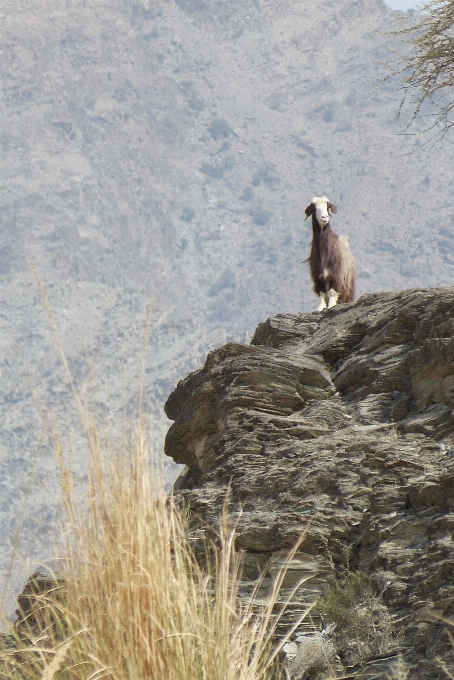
138,604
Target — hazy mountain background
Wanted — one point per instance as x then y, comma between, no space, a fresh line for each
167,149
404,4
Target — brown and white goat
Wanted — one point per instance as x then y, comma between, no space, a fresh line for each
331,261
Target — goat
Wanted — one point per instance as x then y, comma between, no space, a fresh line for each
331,261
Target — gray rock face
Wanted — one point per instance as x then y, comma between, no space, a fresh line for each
340,426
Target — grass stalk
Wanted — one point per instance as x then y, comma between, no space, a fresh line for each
137,602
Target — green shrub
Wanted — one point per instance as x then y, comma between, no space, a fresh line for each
266,175
363,624
219,128
226,280
187,215
261,216
247,194
196,103
217,171
148,37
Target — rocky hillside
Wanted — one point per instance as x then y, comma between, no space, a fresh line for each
338,426
167,149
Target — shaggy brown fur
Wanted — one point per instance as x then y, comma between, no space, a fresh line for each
331,261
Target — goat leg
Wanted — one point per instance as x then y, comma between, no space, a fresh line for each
332,297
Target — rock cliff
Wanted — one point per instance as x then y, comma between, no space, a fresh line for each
339,425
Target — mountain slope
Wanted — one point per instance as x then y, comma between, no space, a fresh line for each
168,149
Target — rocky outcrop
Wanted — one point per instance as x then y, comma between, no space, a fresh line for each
338,426
39,620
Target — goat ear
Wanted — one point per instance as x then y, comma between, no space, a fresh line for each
332,207
309,209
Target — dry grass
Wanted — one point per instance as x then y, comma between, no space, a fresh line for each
138,604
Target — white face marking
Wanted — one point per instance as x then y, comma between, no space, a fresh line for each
321,210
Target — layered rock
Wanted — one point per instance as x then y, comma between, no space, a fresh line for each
338,426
